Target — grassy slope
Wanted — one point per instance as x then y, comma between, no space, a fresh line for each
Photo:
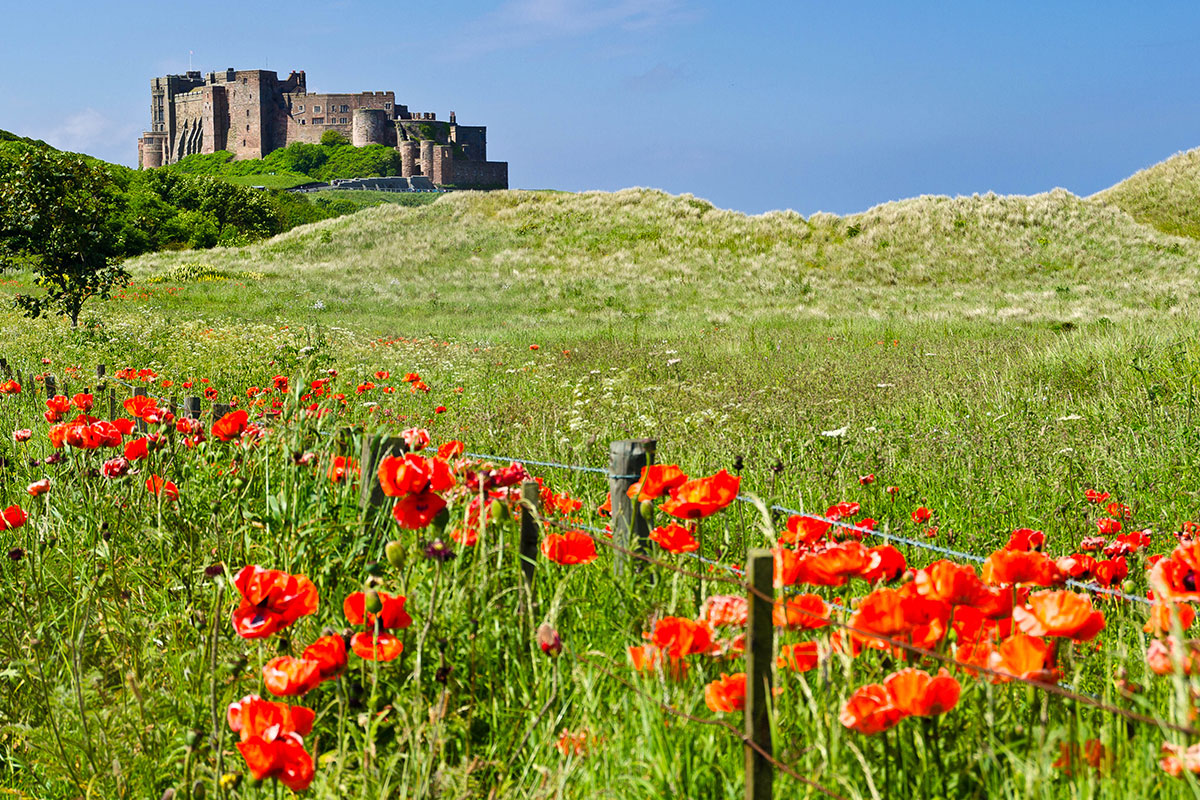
1163,196
566,263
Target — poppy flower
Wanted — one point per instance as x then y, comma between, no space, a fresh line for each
921,515
917,693
881,612
1095,497
720,610
1108,526
1177,759
384,648
416,511
391,617
451,449
674,538
10,387
801,612
657,479
549,640
125,426
1111,572
1163,654
956,584
413,474
231,426
282,757
679,636
115,467
253,716
571,547
342,467
728,693
1023,656
886,564
329,654
83,402
22,435
605,508
1071,757
870,711
271,601
799,657
805,530
12,517
159,487
285,676
787,567
1019,566
1164,615
834,565
1026,539
38,487
703,497
137,449
1128,543
1059,613
866,480
417,439
1175,577
1077,567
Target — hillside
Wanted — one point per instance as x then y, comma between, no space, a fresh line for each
1166,195
474,263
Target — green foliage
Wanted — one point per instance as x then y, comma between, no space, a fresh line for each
323,162
1164,196
334,138
56,220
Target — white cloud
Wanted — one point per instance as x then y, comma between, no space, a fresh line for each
90,131
519,23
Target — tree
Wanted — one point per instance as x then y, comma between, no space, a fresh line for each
334,138
56,220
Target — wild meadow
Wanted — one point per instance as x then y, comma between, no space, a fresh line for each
1012,381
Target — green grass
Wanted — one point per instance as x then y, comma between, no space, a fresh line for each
1162,196
993,357
365,198
278,181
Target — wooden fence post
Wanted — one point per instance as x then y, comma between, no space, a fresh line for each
5,368
50,388
219,410
140,391
630,530
191,407
101,371
760,663
531,509
375,448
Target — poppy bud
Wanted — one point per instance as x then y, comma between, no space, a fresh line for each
395,553
549,640
440,519
1128,587
190,738
646,509
498,512
372,602
198,790
239,483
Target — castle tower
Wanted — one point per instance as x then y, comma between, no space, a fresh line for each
369,126
443,165
408,158
150,149
427,158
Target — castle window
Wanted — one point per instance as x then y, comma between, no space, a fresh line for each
247,127
318,120
345,109
301,122
316,108
300,107
342,121
387,106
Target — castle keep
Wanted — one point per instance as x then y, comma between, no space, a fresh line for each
253,112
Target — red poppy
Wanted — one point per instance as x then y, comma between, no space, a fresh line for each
329,654
922,515
1059,613
231,426
83,402
1095,497
656,480
801,612
886,564
1108,526
283,758
728,693
385,648
285,676
1026,539
1111,572
866,480
952,583
674,538
125,426
703,497
917,693
647,658
137,449
342,467
416,511
413,473
140,405
799,657
451,449
804,530
720,610
1019,566
1071,757
38,487
391,617
252,716
1175,577
1163,654
1023,656
1164,615
834,565
571,547
57,407
271,601
787,566
679,636
870,711
157,486
1077,567
12,517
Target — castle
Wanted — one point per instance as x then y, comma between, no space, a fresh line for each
252,112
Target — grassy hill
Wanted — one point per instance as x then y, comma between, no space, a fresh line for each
1165,196
595,261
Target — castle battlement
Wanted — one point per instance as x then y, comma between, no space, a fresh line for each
253,112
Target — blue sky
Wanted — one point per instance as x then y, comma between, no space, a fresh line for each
752,105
